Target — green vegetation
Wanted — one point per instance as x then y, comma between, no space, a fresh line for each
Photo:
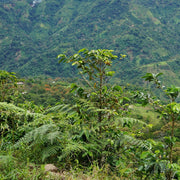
146,30
96,119
92,130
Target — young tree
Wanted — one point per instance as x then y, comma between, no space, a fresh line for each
101,108
170,111
93,67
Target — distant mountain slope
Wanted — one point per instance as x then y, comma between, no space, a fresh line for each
148,31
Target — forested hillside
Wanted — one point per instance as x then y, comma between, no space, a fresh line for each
33,33
92,129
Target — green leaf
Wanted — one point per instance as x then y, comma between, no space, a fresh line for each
176,108
104,90
173,91
62,58
126,99
148,77
73,87
144,154
75,56
140,168
82,50
117,88
94,94
74,63
80,91
157,151
110,73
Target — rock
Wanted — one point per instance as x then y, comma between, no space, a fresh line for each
51,168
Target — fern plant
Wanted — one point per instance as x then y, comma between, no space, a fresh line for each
42,142
15,121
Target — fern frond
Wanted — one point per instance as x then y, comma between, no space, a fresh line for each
72,148
43,134
127,139
52,136
63,108
19,115
94,147
5,159
4,106
130,121
50,150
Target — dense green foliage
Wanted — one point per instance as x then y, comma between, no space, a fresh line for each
146,30
46,91
93,133
8,84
